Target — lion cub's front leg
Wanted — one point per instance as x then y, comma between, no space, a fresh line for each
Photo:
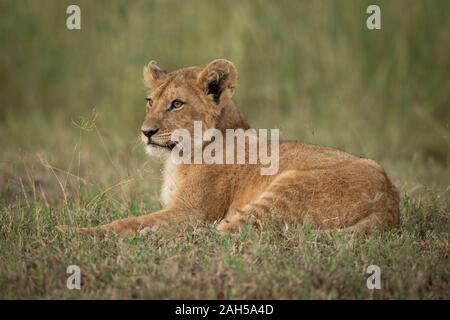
133,225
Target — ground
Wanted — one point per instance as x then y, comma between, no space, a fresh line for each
193,261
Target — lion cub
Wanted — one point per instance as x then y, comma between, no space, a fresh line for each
325,187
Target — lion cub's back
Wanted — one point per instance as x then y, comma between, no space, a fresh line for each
303,156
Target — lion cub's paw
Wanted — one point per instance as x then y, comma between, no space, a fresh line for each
224,227
146,232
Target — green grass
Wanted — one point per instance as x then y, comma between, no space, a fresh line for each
310,68
193,261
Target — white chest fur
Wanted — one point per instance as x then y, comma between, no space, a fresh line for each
169,185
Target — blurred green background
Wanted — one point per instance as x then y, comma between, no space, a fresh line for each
310,68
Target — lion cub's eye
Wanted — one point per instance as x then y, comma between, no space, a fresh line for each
176,104
149,102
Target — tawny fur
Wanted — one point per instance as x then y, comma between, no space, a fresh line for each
322,186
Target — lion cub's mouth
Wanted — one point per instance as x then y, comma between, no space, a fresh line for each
170,145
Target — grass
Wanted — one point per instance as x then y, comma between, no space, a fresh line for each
193,261
72,103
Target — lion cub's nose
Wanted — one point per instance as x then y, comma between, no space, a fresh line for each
150,132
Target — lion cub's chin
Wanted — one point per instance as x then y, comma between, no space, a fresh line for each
156,151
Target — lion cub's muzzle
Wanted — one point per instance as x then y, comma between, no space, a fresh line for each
161,140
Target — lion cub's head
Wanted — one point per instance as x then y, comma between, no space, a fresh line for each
176,99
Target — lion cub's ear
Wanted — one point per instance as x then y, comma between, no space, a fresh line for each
153,74
218,80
